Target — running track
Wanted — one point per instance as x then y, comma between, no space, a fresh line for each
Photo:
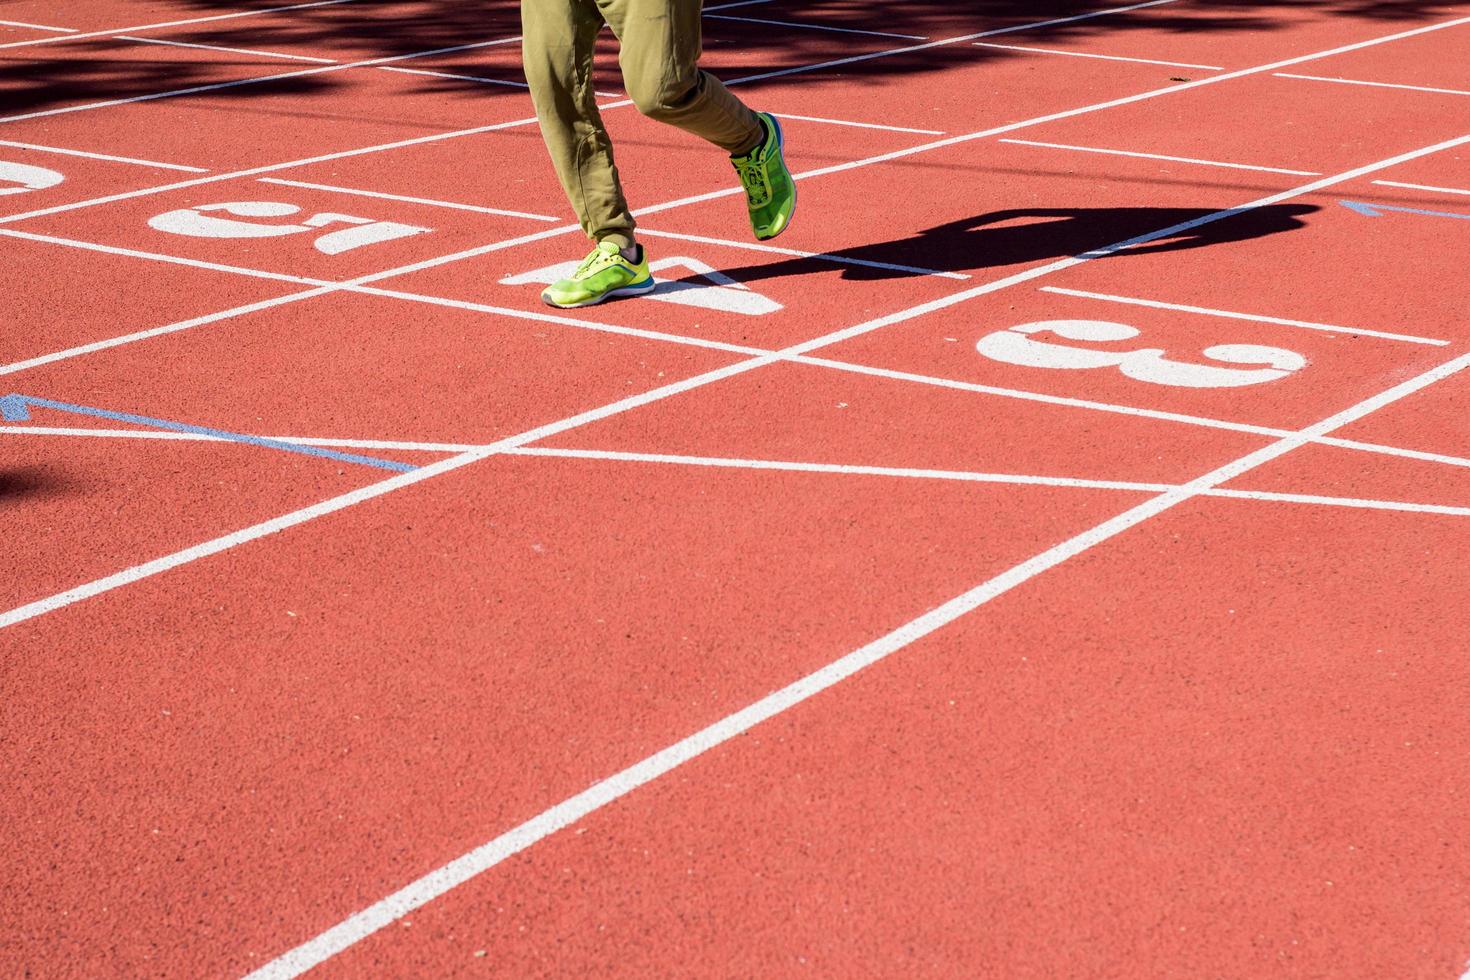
1046,560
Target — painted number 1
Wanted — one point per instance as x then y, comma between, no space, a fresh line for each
1020,346
205,221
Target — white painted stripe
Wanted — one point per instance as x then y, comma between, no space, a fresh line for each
822,171
814,27
102,156
1423,187
961,39
39,27
1354,81
798,253
175,23
860,125
720,462
1230,315
1100,57
408,200
252,52
1159,156
447,877
257,80
199,321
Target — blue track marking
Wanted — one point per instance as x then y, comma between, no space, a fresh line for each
1376,210
17,408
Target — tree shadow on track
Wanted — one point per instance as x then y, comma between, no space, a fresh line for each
1024,236
53,74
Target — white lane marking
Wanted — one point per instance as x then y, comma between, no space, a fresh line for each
1423,187
257,80
1255,317
814,27
1101,57
39,27
252,52
795,466
111,32
798,253
961,39
1159,156
860,125
189,324
475,862
1355,81
837,168
408,200
102,156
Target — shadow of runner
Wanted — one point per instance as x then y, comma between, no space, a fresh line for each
1022,236
30,482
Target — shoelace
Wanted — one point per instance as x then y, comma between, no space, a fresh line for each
753,179
593,263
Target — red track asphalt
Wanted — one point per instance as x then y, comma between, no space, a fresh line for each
1227,741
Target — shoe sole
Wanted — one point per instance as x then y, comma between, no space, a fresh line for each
634,289
781,146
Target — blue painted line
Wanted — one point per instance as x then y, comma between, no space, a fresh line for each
16,408
1376,210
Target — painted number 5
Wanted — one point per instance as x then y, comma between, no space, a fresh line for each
1019,345
203,222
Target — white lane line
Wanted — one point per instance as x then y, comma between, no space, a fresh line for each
1423,187
1231,315
257,80
252,52
475,862
409,200
1354,81
837,168
861,125
1100,57
39,27
103,156
961,39
111,32
198,321
794,466
798,253
814,27
1159,156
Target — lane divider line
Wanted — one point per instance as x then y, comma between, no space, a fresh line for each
1354,81
409,200
814,27
87,154
1100,57
1423,187
1254,317
1159,156
257,80
795,466
111,32
39,27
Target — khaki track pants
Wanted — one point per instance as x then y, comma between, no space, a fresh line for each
660,52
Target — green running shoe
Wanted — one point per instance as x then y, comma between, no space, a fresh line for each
770,191
603,273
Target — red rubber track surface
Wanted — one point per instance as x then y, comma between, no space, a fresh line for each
1046,559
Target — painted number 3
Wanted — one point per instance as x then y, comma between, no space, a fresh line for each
205,221
1019,345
